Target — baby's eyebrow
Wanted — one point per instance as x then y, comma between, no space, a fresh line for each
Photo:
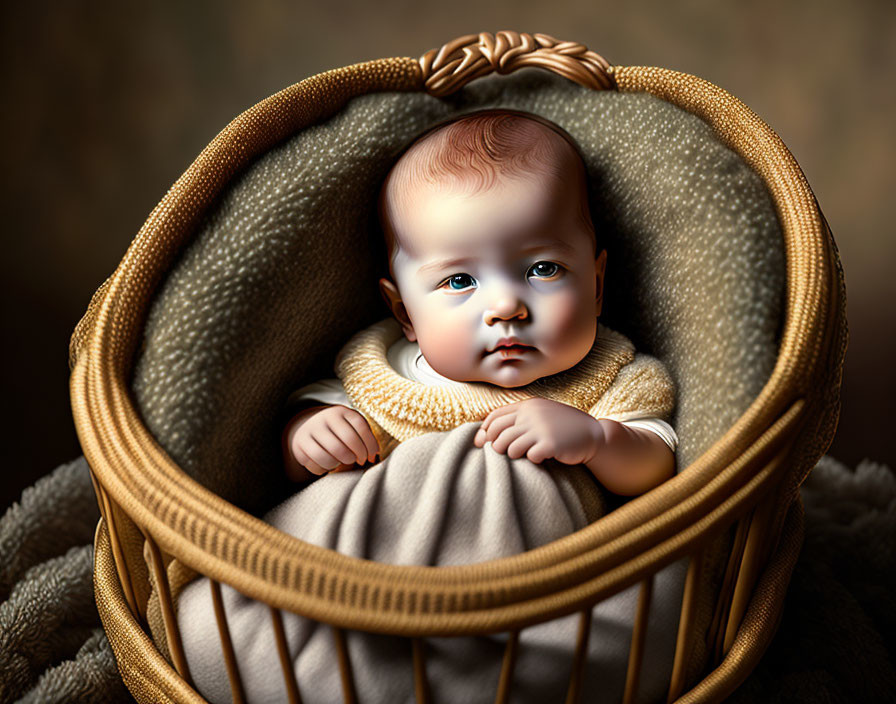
554,244
443,264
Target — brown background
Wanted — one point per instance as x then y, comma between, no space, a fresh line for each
105,105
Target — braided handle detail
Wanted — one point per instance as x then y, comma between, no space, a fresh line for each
459,61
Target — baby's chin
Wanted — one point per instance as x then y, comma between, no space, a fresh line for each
507,373
512,375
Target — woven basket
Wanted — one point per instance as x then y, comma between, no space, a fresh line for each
733,511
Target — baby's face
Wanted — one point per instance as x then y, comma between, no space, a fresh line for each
500,286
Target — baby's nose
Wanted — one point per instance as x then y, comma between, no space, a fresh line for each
506,307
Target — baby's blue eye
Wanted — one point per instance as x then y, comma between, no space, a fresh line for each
544,270
459,282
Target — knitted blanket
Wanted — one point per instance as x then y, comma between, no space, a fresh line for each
836,641
52,645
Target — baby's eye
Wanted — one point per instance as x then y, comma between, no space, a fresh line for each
543,270
458,282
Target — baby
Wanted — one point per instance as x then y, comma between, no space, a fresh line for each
497,285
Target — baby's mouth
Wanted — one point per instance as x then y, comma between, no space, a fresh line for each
513,351
510,348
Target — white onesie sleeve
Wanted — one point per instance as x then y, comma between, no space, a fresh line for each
332,393
655,425
326,391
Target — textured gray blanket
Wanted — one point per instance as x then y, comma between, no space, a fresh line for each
52,645
837,638
836,642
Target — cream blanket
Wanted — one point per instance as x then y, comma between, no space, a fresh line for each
436,500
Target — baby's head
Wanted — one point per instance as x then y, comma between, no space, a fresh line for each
497,273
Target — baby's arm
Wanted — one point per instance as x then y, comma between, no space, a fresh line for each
631,459
321,439
626,460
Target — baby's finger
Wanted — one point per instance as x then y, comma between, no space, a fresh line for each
346,432
503,441
306,462
321,461
497,413
328,440
519,447
499,426
367,436
539,452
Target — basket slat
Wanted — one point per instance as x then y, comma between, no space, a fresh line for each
421,683
574,692
172,630
508,663
685,632
639,637
289,675
237,690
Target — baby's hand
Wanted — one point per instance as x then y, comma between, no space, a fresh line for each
627,461
324,439
540,428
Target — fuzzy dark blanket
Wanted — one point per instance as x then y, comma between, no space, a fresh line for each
836,642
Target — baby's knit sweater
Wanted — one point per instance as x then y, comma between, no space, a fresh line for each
386,378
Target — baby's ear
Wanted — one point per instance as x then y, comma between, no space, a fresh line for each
393,299
600,269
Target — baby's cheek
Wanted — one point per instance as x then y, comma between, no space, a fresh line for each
574,324
564,311
446,347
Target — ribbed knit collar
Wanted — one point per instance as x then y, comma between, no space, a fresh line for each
405,408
